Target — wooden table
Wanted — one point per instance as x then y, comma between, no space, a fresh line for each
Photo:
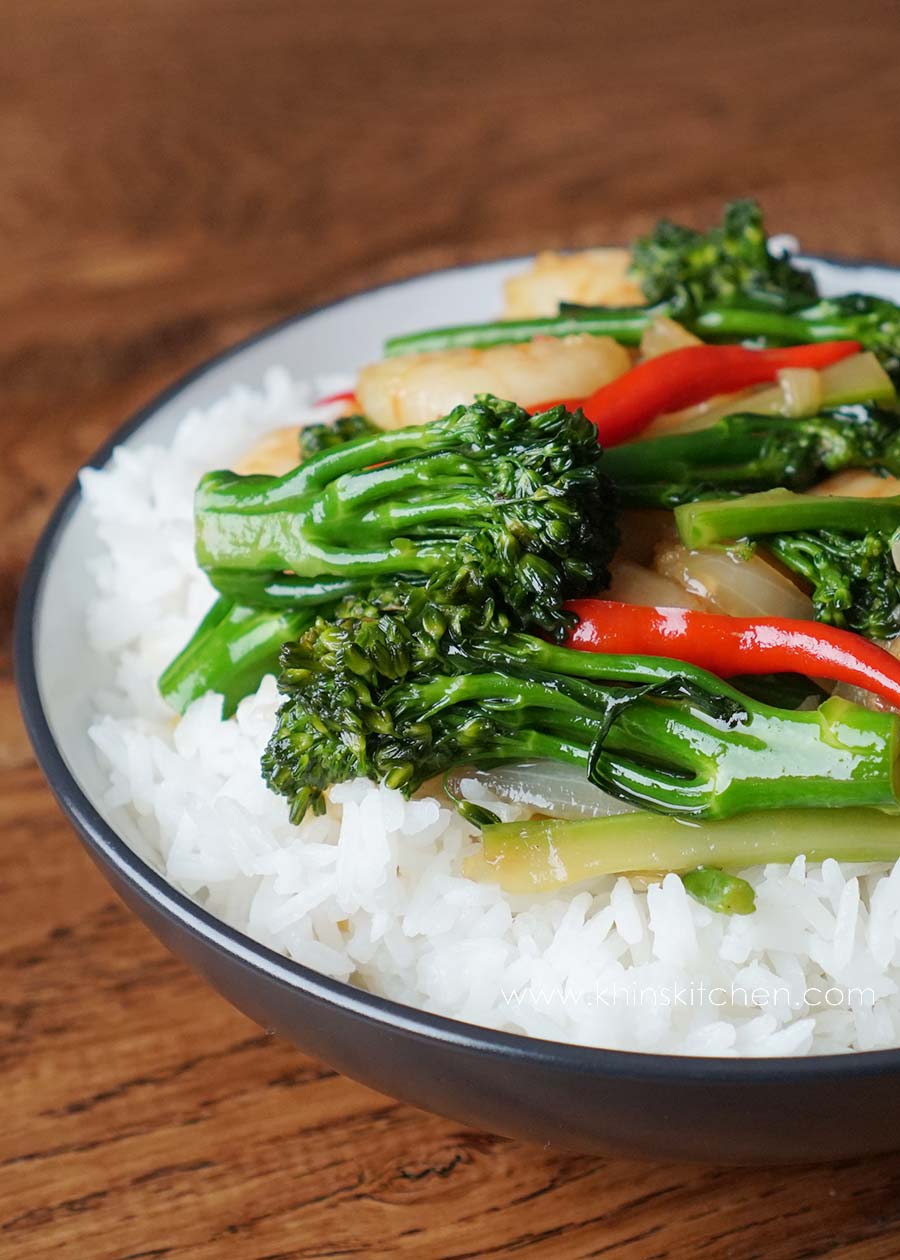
176,174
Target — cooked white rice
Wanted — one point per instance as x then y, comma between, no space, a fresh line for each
373,891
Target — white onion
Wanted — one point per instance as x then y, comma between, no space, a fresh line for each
798,392
868,699
634,584
662,335
548,787
731,582
702,415
802,391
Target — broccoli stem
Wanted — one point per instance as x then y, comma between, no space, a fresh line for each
745,452
489,503
546,854
276,541
311,520
709,521
381,694
679,757
745,321
843,547
626,324
742,319
720,891
262,589
230,653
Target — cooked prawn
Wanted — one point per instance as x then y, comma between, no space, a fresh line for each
275,453
415,388
591,277
858,484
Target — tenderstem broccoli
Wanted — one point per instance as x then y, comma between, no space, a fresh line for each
489,507
745,452
725,263
545,854
487,504
315,438
843,546
724,285
400,693
230,653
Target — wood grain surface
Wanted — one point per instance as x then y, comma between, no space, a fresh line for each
173,175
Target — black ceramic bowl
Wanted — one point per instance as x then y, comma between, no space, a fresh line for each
726,1110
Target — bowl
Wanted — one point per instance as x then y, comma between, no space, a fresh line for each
565,1096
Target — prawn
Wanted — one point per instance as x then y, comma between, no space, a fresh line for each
415,388
592,277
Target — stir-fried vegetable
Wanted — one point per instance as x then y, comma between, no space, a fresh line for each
779,511
230,653
546,854
724,285
737,580
623,408
400,693
857,379
737,645
729,262
748,452
842,546
489,503
547,787
720,891
315,438
414,585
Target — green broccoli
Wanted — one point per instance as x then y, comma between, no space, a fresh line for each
490,508
230,653
400,690
724,285
727,263
314,438
842,546
746,452
487,504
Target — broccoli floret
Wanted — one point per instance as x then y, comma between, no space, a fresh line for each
487,504
855,583
724,285
744,452
842,546
399,691
314,438
239,640
725,263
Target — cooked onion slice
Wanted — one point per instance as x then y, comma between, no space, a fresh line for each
868,699
662,335
634,584
547,787
733,582
802,391
799,392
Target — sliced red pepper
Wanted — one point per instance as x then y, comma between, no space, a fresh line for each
346,395
681,378
736,645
